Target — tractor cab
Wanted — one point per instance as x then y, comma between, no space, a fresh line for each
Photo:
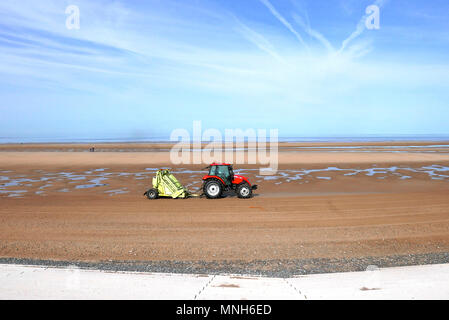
223,171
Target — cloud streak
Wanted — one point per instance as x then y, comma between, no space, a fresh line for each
284,22
259,40
360,28
313,33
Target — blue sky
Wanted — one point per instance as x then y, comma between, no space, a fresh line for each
143,68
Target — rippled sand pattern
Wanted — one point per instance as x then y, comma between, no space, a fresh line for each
112,183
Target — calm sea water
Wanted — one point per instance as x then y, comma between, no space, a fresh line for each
367,138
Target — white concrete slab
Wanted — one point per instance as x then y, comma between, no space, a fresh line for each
245,287
413,282
27,282
34,282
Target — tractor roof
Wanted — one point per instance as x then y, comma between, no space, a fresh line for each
220,164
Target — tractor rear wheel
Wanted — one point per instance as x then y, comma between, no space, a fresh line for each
213,189
244,191
152,194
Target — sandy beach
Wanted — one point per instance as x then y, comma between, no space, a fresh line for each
327,201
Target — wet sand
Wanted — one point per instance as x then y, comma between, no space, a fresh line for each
83,206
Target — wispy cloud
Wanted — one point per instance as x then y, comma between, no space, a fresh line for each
313,33
284,22
360,28
256,38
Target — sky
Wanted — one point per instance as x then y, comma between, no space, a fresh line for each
140,69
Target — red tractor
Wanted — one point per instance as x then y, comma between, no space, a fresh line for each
221,178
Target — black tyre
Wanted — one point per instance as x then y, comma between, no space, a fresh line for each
152,194
213,189
244,191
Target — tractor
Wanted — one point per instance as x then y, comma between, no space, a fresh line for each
221,178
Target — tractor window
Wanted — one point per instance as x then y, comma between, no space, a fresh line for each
222,171
231,172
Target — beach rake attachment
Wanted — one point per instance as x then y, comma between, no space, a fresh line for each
165,184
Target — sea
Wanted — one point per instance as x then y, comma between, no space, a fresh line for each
347,138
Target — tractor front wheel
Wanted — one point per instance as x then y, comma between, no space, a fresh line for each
213,189
152,194
244,191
